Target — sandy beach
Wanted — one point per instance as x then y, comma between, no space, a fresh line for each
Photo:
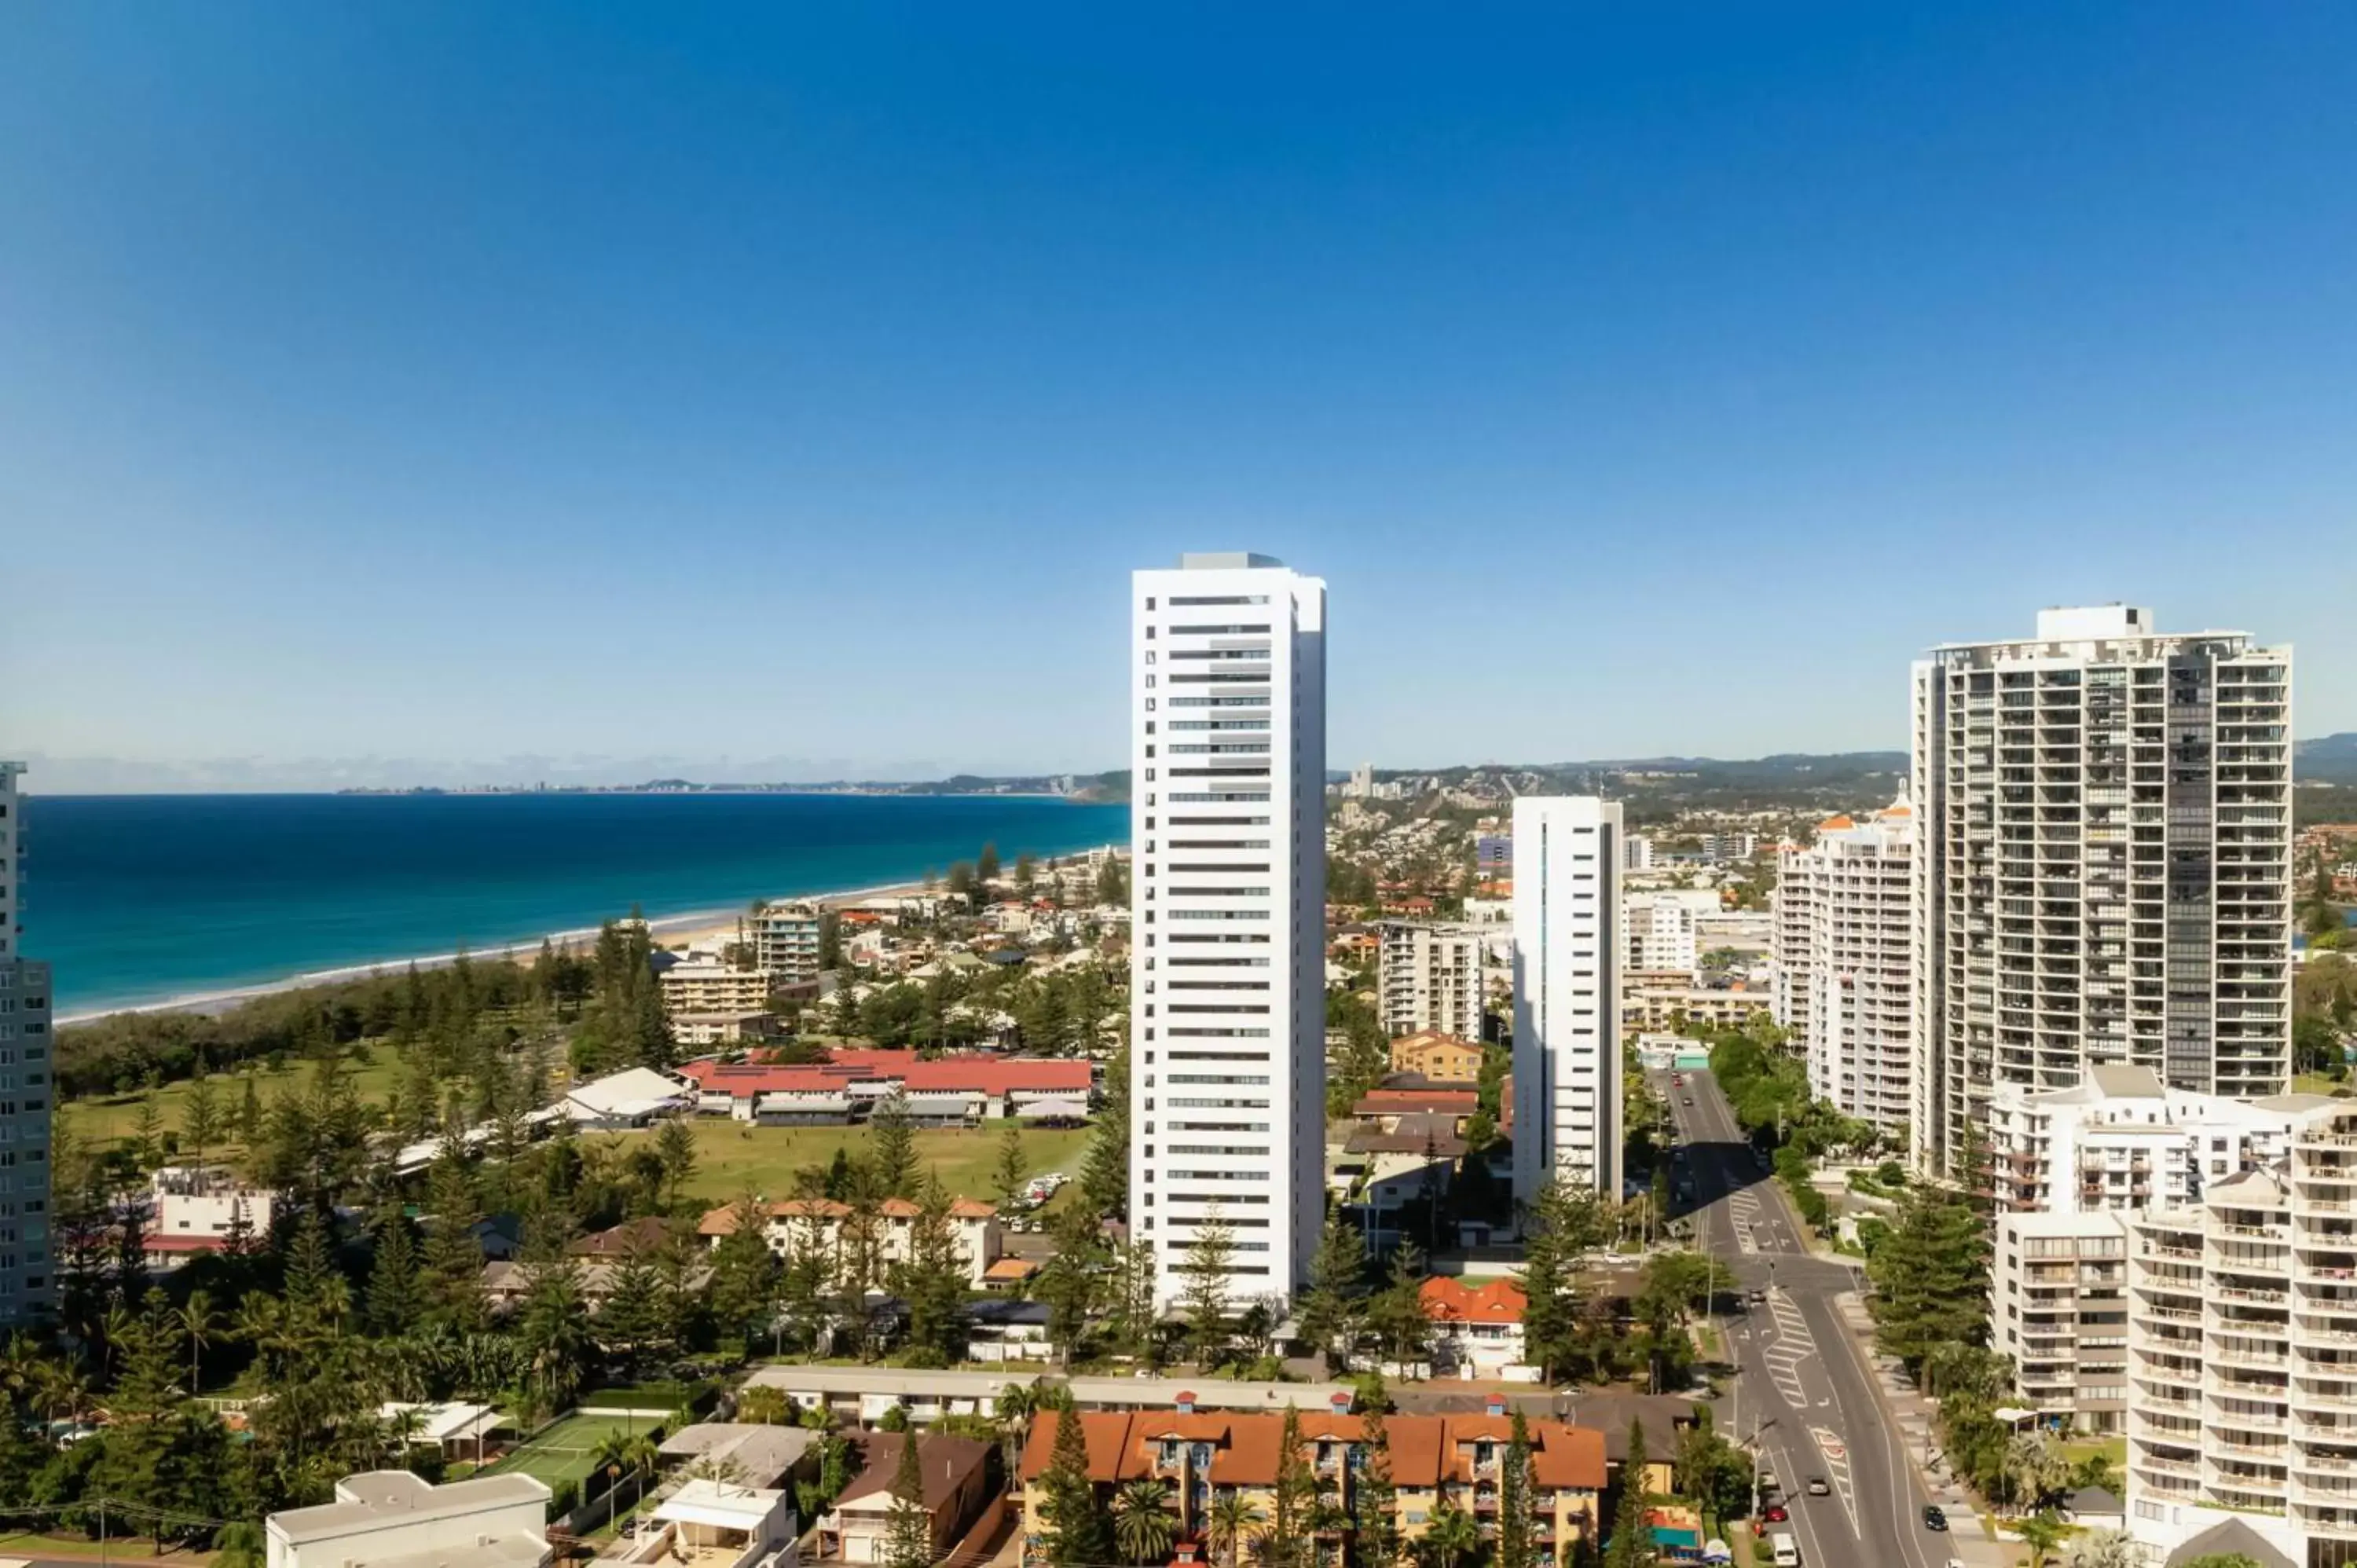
670,931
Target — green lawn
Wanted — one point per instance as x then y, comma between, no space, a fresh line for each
565,1451
2079,1448
2318,1083
101,1120
731,1155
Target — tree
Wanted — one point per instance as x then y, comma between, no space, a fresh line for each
1375,1499
1142,1523
1112,881
1930,1276
1515,1549
1076,1531
633,1314
1631,1545
1554,1236
1014,1167
1234,1520
454,1258
892,1137
1104,1171
2041,1532
1068,1281
907,1528
396,1292
2110,1549
675,1147
1450,1536
198,1323
1397,1313
932,1280
1027,872
552,1323
1205,1270
985,864
201,1117
1333,1309
1294,1498
741,1270
2036,1465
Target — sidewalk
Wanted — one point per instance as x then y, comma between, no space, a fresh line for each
1969,1538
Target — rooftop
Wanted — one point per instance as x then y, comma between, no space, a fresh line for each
375,1498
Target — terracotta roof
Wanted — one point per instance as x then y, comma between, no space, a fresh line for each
1448,1300
1835,824
994,1076
1426,1449
1011,1268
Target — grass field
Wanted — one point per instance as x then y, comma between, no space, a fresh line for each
730,1155
100,1120
566,1450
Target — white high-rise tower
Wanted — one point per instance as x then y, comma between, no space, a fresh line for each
1227,1065
1567,957
27,1090
1842,950
2104,870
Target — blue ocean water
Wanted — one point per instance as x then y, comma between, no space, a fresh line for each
142,898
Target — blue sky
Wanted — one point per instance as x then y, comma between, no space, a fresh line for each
793,386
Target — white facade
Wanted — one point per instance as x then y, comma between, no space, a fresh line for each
703,985
2123,1140
1729,846
2058,1312
785,942
1637,853
2242,1353
1663,926
1431,977
25,1284
1228,1018
2103,868
1567,959
208,1201
391,1519
1843,976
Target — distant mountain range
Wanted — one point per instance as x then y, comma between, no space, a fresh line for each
2327,759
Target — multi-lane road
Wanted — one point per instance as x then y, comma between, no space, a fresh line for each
1803,1382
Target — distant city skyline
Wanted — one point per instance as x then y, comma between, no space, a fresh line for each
485,383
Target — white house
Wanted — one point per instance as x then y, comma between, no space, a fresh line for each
391,1519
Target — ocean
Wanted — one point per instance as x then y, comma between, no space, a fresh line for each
138,899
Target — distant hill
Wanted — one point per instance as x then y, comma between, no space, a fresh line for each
2327,759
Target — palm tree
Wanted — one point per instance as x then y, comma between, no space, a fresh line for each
1234,1519
1141,1526
1451,1535
2103,1549
2036,1465
2041,1532
611,1457
199,1322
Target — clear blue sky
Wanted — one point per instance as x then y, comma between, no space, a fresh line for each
798,383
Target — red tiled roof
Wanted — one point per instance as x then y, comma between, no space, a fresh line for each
1453,1301
994,1076
1425,1449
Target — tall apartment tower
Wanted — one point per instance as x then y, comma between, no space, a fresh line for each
1228,964
2102,873
1840,951
1567,959
1431,976
25,1290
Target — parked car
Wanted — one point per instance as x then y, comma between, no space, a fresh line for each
1775,1513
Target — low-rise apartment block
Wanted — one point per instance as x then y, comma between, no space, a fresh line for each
794,1226
392,1519
785,939
1205,1456
1431,977
707,986
1438,1057
1662,924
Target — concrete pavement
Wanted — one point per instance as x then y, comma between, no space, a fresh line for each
1806,1396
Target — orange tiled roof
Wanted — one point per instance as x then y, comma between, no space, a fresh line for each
1834,825
1426,1450
1448,1300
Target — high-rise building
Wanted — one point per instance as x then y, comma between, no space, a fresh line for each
1431,977
1638,855
1662,926
1840,956
2102,870
2242,1357
1567,959
25,1091
1228,964
786,942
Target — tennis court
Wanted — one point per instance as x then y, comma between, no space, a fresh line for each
565,1451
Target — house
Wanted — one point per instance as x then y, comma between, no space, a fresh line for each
1205,1456
1007,1330
458,1431
957,1482
847,1086
1477,1330
710,1523
194,1210
506,1281
752,1453
1665,1417
392,1519
796,1225
1437,1056
1385,1105
633,1238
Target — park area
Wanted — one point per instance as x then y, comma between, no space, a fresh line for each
731,1157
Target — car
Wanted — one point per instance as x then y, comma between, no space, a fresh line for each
1934,1516
1677,1080
1685,1099
1775,1513
1818,1488
1756,1297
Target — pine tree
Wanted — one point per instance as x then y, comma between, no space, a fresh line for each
249,1113
1551,1318
1295,1497
1514,1538
1205,1270
985,864
1014,1167
396,1292
742,1269
1104,1172
1631,1545
631,1316
201,1120
909,1528
1078,1535
1374,1499
933,1281
1930,1276
894,1138
675,1147
1068,1281
454,1258
1333,1312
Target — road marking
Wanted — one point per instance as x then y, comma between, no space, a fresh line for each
1837,1457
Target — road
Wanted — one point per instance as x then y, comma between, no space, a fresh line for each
1803,1382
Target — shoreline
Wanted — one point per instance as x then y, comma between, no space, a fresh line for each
692,922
